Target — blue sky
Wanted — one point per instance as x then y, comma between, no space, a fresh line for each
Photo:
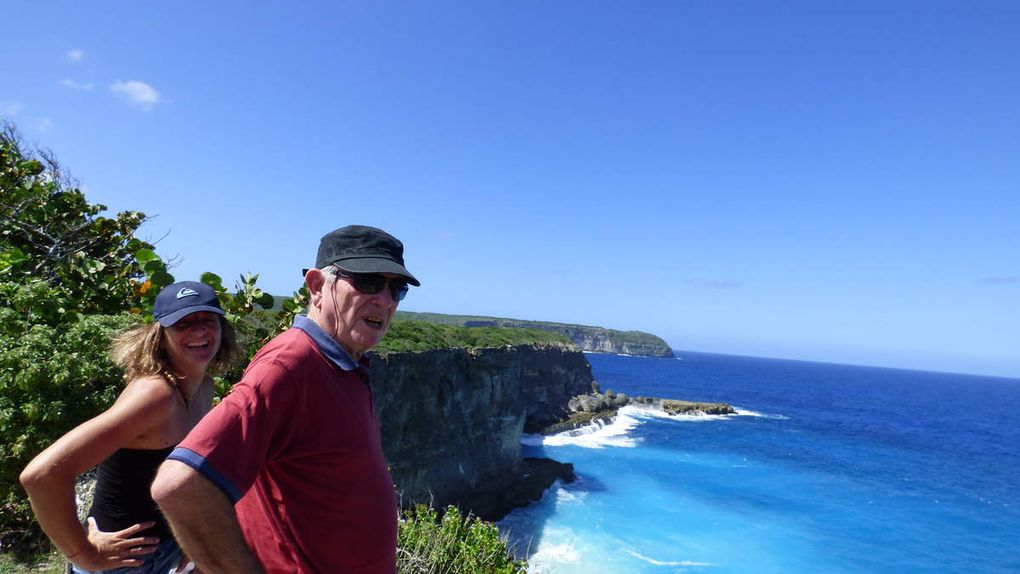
832,181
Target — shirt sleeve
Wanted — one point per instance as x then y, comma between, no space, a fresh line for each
253,425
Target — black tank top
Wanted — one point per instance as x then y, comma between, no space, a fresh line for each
122,496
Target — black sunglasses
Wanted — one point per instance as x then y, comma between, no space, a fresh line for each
372,283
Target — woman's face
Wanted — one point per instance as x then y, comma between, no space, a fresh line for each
192,342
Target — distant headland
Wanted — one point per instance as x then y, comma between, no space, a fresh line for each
588,338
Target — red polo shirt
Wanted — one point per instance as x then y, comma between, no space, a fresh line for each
296,447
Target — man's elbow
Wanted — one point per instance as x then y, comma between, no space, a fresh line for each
172,483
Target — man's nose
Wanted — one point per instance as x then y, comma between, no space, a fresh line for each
387,295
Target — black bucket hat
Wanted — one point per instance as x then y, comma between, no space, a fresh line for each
363,249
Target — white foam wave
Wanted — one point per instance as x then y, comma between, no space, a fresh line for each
600,434
750,413
532,439
557,548
564,496
608,353
555,554
649,412
595,435
666,563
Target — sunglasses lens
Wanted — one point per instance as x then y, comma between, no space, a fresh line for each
369,284
398,289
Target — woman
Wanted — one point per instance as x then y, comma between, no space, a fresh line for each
167,392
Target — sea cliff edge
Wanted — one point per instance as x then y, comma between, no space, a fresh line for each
452,420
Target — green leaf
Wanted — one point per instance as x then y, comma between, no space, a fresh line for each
145,255
213,280
267,301
11,257
153,266
161,279
94,265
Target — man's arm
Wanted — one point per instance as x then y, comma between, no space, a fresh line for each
203,520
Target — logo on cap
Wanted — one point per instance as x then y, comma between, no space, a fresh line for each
185,292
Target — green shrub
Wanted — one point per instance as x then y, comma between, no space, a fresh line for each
50,232
404,336
452,544
51,380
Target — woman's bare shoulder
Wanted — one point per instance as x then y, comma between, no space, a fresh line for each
145,403
151,392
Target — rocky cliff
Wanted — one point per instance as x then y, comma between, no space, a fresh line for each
587,337
451,420
600,340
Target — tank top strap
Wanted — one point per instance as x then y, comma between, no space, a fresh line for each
172,381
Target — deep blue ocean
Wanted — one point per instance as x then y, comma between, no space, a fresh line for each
826,468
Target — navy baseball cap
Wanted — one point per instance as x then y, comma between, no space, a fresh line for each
363,249
181,299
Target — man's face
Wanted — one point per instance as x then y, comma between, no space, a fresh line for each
354,319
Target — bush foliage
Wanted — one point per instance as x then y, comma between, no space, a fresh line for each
451,544
50,233
51,380
69,280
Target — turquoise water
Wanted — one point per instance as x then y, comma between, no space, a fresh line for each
827,468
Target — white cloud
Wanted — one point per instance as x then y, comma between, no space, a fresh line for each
136,93
79,86
75,55
10,109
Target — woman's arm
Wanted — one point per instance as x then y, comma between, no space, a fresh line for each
49,478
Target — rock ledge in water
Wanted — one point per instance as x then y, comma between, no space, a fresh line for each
526,485
602,407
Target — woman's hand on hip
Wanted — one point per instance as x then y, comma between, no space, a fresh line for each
115,549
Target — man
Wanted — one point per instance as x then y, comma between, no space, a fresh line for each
287,473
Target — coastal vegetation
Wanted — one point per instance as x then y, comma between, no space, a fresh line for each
71,278
428,543
587,337
411,335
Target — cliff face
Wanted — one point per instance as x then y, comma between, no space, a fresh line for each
451,420
598,340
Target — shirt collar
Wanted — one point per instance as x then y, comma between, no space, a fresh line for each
327,346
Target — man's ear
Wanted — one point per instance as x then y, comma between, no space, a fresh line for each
315,279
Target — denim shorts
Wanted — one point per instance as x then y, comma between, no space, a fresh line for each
166,557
